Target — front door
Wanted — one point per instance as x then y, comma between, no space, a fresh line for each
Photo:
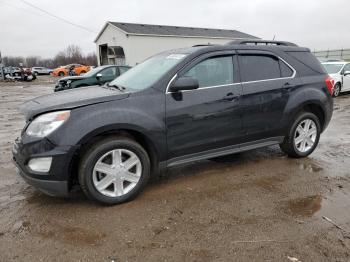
346,78
206,118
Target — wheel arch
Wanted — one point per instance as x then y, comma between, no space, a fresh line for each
144,140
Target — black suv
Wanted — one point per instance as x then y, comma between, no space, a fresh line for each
176,107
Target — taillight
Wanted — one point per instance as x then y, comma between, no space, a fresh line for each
330,84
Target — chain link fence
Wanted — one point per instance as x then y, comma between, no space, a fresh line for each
337,54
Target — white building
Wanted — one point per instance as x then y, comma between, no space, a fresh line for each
125,43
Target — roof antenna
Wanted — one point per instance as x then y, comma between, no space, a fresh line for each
273,37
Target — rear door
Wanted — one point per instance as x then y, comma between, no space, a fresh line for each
266,80
206,118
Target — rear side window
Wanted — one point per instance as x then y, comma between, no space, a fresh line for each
259,67
213,71
286,71
308,59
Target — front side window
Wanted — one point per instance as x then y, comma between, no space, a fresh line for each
259,67
213,71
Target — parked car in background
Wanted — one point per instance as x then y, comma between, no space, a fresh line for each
174,108
41,71
340,72
97,76
11,70
64,70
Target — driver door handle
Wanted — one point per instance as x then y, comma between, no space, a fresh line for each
230,97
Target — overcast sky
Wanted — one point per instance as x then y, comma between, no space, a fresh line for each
317,24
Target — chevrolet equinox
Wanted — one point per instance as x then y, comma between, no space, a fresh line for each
176,107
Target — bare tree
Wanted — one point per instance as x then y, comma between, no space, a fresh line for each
71,54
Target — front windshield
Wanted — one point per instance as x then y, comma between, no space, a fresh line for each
148,72
333,68
93,71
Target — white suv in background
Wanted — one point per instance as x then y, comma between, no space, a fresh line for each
340,72
41,71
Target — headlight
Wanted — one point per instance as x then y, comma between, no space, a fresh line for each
47,123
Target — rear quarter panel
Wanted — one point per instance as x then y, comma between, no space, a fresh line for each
311,90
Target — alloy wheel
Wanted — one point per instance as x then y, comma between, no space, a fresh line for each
117,172
305,135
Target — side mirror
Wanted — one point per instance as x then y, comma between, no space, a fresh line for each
346,73
184,83
99,76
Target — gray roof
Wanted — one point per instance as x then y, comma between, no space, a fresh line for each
165,30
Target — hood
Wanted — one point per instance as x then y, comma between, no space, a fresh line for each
70,99
72,78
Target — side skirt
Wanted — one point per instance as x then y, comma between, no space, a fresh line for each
224,151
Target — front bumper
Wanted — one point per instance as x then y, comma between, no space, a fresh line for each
51,188
55,182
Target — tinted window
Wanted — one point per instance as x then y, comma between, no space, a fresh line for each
286,71
259,67
213,71
308,60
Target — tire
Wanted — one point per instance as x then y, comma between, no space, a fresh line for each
290,145
336,90
100,156
61,74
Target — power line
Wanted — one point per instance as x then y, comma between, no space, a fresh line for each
57,17
19,8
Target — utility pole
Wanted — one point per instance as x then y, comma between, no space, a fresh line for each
2,68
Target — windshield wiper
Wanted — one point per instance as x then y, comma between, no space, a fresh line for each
120,88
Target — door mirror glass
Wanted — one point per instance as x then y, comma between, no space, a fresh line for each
184,83
99,76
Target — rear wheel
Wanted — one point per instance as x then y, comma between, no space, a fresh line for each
114,170
303,136
336,90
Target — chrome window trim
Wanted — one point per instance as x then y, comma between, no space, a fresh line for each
239,83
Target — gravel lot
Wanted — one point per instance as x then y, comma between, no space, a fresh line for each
255,206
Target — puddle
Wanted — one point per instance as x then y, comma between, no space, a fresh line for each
305,207
311,168
335,206
73,235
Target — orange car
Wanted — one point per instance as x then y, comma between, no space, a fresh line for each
64,70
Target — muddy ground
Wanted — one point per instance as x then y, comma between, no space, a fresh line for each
255,206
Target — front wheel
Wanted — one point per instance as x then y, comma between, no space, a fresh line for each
336,90
303,136
114,170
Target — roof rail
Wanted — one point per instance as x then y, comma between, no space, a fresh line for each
261,42
202,45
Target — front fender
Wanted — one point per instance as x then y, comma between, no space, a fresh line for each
89,121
